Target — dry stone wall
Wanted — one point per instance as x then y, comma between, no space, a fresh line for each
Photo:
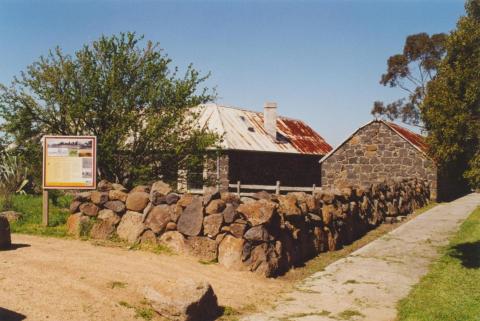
266,234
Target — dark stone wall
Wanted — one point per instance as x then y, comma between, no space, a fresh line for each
266,168
376,154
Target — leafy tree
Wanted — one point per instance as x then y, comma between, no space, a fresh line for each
411,71
127,95
451,108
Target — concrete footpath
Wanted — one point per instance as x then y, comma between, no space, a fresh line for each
368,284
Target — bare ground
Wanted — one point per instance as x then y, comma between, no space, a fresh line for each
58,279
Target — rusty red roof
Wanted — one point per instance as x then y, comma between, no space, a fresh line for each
415,139
244,130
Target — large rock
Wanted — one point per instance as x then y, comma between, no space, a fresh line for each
99,198
141,188
104,185
148,237
327,214
5,237
174,241
230,252
158,218
12,216
75,206
202,247
137,201
258,234
288,205
172,198
191,219
185,200
264,259
238,228
102,230
77,224
161,188
184,300
82,196
229,214
258,212
215,206
117,195
119,187
209,194
212,224
131,226
116,206
89,209
109,215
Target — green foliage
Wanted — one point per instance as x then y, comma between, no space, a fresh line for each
451,108
411,71
450,291
120,89
31,223
13,178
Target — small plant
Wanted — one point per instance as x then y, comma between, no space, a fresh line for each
13,178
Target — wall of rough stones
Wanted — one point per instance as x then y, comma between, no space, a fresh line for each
266,233
372,155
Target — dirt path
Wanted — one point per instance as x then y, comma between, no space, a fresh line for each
368,283
59,280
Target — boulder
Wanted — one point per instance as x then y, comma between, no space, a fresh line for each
172,198
171,226
212,224
185,200
184,300
158,218
104,185
156,198
5,236
258,234
131,227
209,194
258,212
176,212
215,206
230,252
246,200
77,224
191,220
82,197
148,237
99,198
229,214
288,205
202,247
141,188
116,206
119,187
262,195
238,229
174,241
117,195
327,214
137,201
229,197
102,230
264,259
89,209
75,206
12,216
161,187
109,215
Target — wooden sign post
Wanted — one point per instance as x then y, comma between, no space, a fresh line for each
69,162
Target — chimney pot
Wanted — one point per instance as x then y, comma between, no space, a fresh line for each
270,118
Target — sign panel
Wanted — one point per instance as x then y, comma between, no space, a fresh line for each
69,162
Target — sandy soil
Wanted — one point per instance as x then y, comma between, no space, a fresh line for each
57,279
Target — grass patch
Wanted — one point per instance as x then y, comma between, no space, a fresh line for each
141,312
324,259
349,314
450,291
31,222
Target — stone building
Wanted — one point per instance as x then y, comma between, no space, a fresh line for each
377,152
261,148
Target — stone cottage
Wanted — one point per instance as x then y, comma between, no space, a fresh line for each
376,152
261,148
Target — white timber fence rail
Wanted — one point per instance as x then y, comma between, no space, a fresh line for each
277,188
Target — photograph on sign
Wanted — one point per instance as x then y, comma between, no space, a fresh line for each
69,162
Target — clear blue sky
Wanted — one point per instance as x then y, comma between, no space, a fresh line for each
319,60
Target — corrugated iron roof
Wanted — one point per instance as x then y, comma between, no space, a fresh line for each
416,140
243,130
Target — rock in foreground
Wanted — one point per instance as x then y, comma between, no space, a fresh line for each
184,300
5,238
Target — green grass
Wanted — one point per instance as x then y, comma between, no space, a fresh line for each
31,208
451,289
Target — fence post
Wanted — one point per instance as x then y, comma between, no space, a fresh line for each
277,188
238,188
313,189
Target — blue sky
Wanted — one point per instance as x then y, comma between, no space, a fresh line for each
319,60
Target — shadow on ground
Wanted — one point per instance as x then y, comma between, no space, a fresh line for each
7,315
13,247
468,253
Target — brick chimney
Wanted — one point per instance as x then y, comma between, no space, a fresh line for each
270,119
